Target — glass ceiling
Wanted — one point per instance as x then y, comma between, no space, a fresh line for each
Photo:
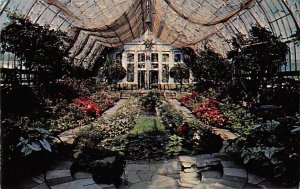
94,24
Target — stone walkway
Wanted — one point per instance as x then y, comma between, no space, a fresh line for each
112,110
207,171
69,135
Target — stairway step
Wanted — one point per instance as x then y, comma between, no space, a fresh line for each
235,172
211,174
235,179
82,175
254,179
224,182
230,164
212,186
62,165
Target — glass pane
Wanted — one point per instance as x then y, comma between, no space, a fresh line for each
141,65
165,73
130,57
154,66
177,58
130,73
141,57
154,57
165,57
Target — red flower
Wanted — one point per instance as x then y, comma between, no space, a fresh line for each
208,111
182,129
189,97
88,106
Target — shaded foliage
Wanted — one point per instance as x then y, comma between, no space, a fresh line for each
180,72
210,69
257,59
113,71
26,149
43,50
270,150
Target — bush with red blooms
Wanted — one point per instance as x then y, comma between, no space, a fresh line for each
189,100
88,106
183,129
188,97
208,112
104,100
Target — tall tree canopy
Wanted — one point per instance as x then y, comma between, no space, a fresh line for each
180,72
113,71
210,69
42,50
259,57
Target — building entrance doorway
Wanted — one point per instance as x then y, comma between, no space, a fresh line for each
153,80
142,79
146,81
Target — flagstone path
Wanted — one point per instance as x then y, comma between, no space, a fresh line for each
207,171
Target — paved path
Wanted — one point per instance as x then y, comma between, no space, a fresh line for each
69,135
206,171
113,109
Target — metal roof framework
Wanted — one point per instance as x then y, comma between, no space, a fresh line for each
94,24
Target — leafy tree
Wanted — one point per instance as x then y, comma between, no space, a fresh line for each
257,59
180,72
189,56
210,69
43,50
113,71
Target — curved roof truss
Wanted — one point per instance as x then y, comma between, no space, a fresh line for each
94,24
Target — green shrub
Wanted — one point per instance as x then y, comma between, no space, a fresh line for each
26,148
270,150
174,145
150,145
120,123
238,118
66,116
123,121
198,138
202,139
170,117
149,101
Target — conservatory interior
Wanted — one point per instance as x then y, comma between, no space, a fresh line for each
150,94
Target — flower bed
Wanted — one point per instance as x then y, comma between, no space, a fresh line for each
265,147
208,112
219,114
120,123
90,149
116,134
80,112
197,137
88,107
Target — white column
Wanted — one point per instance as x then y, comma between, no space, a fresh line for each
135,67
124,64
159,68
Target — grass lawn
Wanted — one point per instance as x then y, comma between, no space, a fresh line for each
146,124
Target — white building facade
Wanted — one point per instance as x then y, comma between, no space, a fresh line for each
148,61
